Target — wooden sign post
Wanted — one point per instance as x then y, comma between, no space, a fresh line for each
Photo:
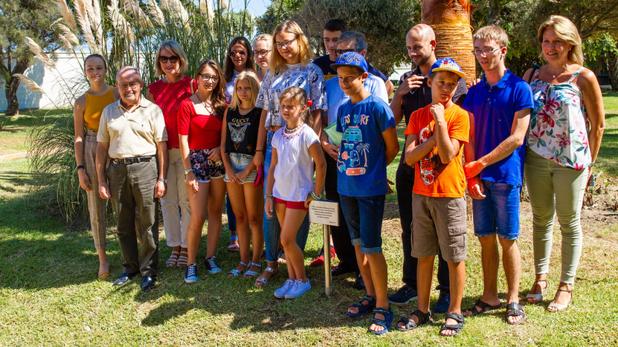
327,214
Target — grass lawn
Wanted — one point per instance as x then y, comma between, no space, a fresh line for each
49,295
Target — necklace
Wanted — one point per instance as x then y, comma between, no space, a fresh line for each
206,103
293,130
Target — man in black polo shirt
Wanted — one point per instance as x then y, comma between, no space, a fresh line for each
414,93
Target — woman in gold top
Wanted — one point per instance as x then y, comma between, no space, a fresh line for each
86,115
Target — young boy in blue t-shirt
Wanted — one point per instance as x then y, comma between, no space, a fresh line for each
368,145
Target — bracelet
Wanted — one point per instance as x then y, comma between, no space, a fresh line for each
162,180
315,196
269,196
188,171
259,150
80,167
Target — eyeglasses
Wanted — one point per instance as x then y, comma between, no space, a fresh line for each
487,51
262,52
284,44
341,51
241,53
348,79
207,77
130,85
172,59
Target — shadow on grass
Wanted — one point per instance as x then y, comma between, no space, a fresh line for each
37,250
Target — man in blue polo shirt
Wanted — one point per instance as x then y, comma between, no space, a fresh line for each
500,105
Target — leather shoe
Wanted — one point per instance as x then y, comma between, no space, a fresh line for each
341,269
123,279
148,282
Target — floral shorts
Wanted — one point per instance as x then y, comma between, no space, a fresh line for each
205,169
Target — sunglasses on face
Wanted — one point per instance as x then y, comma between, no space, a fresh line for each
164,59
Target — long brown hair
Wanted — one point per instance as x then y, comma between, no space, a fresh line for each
229,64
218,93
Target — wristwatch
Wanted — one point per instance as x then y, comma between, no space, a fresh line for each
162,180
188,171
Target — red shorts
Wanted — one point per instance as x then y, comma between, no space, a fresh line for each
295,205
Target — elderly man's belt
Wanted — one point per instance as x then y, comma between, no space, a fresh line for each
132,160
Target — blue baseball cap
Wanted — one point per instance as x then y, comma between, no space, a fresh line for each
351,59
447,64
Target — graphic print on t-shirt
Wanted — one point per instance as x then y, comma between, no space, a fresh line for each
353,159
238,128
430,166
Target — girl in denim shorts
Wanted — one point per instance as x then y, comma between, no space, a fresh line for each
199,130
238,146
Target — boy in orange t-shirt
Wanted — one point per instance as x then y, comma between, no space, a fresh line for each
436,134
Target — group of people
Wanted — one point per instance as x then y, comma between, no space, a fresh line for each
275,130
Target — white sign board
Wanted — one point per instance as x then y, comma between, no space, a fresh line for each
324,212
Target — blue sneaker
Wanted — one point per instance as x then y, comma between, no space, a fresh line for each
191,274
281,291
444,300
212,266
299,288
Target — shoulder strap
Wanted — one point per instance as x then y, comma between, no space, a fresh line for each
532,74
575,74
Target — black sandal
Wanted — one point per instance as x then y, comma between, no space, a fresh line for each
452,327
481,307
365,305
405,323
515,309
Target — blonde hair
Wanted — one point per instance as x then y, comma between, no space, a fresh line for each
299,96
567,32
177,50
492,33
254,84
277,63
264,37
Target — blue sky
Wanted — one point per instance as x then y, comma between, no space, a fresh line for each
256,7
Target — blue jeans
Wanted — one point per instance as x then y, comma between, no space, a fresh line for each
272,229
498,213
363,215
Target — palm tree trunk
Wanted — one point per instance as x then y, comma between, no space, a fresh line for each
450,19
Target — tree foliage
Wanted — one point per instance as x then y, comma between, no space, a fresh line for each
18,20
383,22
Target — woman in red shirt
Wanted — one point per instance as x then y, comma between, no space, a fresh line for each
199,129
168,92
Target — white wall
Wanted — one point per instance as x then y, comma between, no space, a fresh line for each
62,84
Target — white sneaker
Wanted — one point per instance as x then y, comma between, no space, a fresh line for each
300,287
281,291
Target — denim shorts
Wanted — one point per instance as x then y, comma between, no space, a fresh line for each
363,216
205,169
498,213
239,162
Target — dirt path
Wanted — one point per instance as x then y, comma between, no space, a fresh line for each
13,156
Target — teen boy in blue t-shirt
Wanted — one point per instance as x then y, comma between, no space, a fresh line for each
368,145
500,104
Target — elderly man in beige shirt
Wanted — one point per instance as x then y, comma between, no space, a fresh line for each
131,135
